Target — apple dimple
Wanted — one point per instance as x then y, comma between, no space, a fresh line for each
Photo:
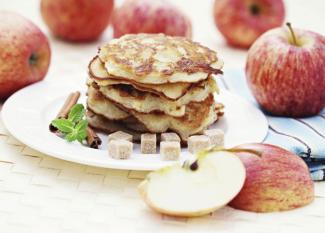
33,59
254,9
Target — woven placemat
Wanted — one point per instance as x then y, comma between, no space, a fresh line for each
39,193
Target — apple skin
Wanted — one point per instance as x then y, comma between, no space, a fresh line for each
242,22
24,53
288,80
147,16
278,180
77,20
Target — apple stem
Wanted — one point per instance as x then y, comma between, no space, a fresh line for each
294,39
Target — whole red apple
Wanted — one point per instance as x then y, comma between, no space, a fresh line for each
77,20
24,53
285,70
242,22
276,179
147,16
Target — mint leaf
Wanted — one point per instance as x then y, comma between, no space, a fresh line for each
81,137
81,129
76,113
75,127
82,126
64,125
70,137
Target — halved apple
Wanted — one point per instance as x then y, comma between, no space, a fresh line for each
196,188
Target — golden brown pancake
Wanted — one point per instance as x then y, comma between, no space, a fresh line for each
153,83
158,59
101,123
198,116
168,90
101,105
146,102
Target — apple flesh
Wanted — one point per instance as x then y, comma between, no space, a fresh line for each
287,78
197,189
25,53
242,22
276,179
77,20
147,16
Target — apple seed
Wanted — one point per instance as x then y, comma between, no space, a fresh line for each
194,166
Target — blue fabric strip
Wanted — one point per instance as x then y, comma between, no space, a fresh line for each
304,136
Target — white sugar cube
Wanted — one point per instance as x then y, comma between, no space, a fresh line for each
216,136
197,143
170,150
148,143
120,149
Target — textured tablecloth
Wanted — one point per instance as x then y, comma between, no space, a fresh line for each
39,193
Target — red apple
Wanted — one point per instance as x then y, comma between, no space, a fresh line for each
242,22
276,179
147,16
24,53
77,20
285,70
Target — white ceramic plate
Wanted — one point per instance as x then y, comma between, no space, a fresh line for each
27,115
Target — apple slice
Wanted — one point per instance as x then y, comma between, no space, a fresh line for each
195,189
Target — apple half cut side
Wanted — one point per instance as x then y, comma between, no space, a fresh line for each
196,189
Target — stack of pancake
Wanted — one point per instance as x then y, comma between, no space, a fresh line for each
153,83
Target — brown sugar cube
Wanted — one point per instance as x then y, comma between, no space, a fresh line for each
170,150
120,135
148,143
120,149
216,136
170,137
197,143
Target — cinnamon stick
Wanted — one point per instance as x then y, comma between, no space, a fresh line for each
64,112
93,140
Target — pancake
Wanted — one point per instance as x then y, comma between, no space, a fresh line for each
107,126
145,102
199,115
158,59
167,90
153,83
133,124
102,124
100,105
